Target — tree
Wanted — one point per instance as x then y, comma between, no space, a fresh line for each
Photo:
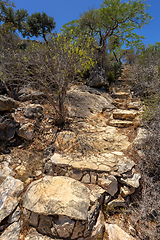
113,22
12,20
39,24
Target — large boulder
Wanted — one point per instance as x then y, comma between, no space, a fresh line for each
7,103
84,101
58,195
64,208
98,78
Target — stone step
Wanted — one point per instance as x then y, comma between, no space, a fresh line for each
120,104
120,123
121,95
134,105
88,169
122,89
124,81
124,114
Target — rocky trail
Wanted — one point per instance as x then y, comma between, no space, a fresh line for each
56,183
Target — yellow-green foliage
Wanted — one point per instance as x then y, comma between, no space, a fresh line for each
79,52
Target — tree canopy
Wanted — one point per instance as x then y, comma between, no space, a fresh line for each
39,24
113,23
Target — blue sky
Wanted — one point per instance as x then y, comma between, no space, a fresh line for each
64,11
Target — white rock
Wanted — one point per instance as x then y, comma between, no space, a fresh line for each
58,195
116,233
10,190
125,191
132,181
142,134
109,183
12,232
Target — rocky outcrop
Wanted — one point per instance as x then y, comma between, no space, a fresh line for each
7,104
60,207
58,195
85,166
98,78
84,101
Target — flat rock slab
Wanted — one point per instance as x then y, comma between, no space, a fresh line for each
102,163
121,95
124,114
58,195
10,190
84,102
120,123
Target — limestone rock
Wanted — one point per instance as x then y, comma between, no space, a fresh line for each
84,102
134,105
124,114
64,226
78,230
15,216
33,219
10,190
125,191
26,131
58,195
86,178
142,134
96,193
125,165
116,233
120,123
12,232
34,235
5,170
98,78
7,103
109,183
26,94
132,181
33,111
121,95
75,174
65,140
45,224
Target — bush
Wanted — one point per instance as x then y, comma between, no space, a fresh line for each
48,67
146,211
